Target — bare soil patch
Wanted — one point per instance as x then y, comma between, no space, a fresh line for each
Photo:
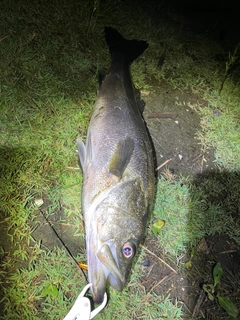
173,126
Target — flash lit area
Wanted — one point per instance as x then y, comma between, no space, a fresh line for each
53,59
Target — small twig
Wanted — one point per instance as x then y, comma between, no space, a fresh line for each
153,254
162,115
159,282
163,164
185,306
195,158
150,270
3,38
203,159
224,252
202,314
199,303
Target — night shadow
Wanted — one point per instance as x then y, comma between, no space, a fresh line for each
215,203
11,160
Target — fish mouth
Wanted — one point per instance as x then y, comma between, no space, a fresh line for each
106,272
115,278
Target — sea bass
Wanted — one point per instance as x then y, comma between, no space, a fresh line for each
118,171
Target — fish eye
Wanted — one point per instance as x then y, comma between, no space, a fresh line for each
128,250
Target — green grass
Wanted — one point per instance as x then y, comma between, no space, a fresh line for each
195,208
222,131
50,57
40,286
171,205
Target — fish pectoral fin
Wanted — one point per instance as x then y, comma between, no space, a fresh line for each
81,153
121,157
104,254
85,152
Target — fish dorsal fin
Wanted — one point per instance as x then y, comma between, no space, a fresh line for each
121,157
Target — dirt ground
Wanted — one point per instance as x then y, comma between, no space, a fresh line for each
173,126
186,287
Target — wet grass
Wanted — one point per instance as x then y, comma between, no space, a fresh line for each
50,57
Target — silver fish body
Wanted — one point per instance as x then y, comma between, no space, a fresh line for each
118,170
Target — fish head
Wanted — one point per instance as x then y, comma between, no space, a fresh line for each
114,235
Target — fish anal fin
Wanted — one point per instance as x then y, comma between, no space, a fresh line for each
121,157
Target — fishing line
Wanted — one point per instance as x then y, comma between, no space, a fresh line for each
63,245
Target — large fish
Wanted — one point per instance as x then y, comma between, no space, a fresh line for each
118,171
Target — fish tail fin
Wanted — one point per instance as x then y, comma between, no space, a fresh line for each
118,44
